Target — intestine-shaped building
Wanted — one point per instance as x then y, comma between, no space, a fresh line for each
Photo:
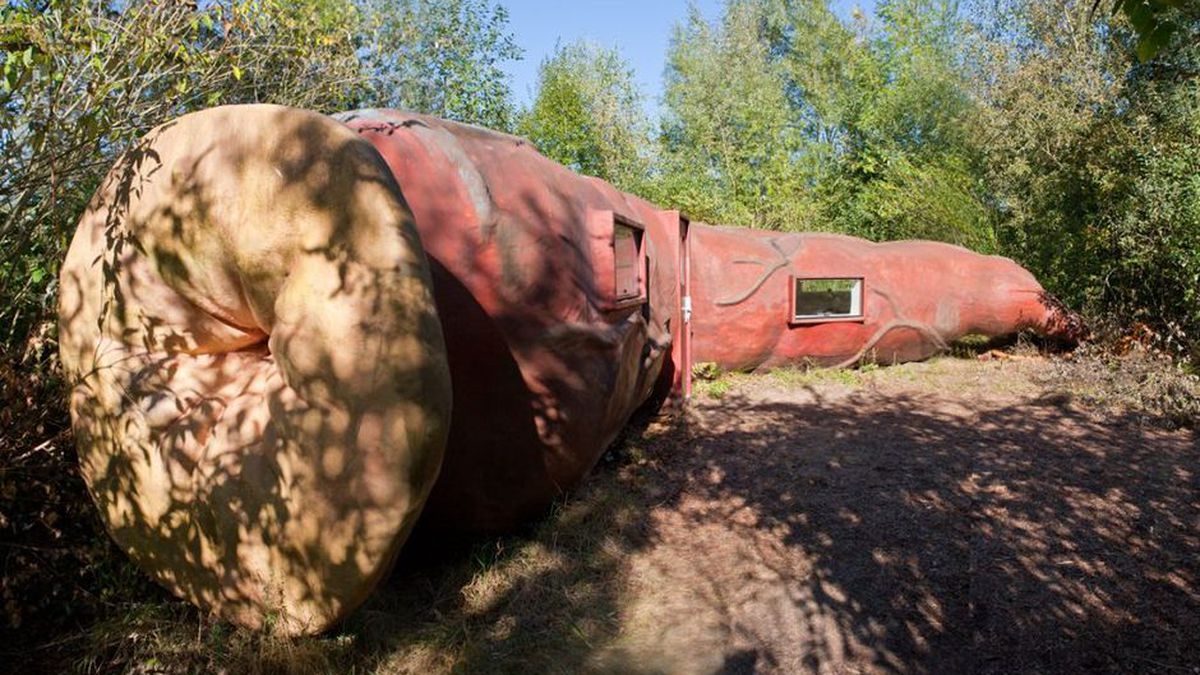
289,337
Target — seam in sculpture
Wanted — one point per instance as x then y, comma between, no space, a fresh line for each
888,297
472,179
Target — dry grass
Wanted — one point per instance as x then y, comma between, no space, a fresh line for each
1147,383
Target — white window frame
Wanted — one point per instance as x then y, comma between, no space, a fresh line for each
858,293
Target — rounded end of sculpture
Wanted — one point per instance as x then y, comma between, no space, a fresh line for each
1030,306
260,396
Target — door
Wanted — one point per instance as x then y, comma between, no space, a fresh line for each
681,336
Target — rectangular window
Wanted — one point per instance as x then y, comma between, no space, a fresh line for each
627,261
826,299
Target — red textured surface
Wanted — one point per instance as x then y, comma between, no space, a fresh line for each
549,358
547,363
918,296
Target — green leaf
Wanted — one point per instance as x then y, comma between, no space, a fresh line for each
237,73
1151,43
1140,15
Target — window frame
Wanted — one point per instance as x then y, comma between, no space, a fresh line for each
805,320
602,233
638,232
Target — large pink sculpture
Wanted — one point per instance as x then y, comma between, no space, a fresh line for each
260,395
557,295
264,313
760,299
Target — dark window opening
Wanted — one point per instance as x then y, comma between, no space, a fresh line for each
627,260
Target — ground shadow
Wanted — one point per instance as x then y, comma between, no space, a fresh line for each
821,528
924,533
818,531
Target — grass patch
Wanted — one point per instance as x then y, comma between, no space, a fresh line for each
800,377
716,384
713,388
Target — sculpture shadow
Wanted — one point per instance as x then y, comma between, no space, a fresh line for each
871,532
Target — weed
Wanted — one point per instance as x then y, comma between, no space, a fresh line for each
713,388
706,370
809,376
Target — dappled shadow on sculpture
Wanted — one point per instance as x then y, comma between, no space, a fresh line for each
259,389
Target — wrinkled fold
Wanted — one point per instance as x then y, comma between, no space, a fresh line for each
259,383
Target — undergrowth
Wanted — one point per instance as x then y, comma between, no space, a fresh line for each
1160,389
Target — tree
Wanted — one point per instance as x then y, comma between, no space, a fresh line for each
82,80
886,106
441,57
588,115
731,149
1091,157
784,116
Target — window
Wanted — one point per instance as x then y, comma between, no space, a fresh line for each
826,299
627,262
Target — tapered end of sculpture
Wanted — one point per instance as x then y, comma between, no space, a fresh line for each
1061,322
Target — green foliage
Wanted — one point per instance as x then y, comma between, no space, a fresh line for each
731,150
440,57
782,116
588,115
897,165
1091,159
83,79
1152,21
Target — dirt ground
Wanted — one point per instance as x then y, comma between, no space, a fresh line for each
954,516
951,516
944,517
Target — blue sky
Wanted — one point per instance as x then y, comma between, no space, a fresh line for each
640,29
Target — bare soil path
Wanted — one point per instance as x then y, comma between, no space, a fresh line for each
942,517
953,516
